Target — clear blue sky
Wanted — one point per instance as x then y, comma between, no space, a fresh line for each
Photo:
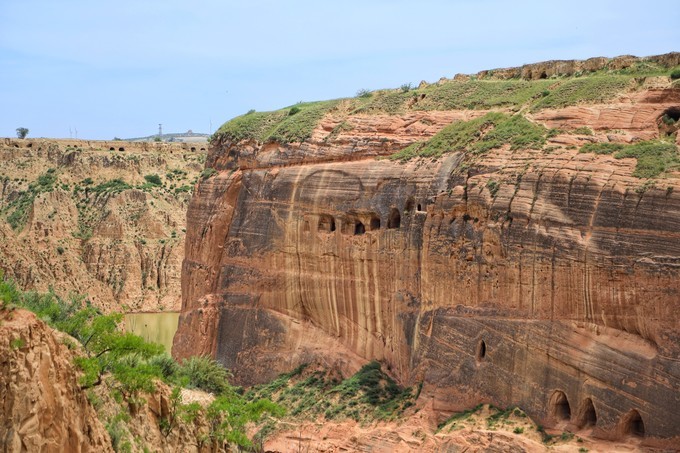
118,68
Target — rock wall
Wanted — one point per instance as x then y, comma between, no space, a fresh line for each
540,278
42,406
79,216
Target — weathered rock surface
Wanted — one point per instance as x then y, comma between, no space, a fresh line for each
42,406
544,279
121,245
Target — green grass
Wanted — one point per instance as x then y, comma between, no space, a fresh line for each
480,94
368,395
296,123
601,148
281,126
17,211
478,136
653,157
592,89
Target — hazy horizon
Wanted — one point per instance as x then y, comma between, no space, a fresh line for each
119,70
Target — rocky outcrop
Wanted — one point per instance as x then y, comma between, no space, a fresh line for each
42,406
80,216
553,68
540,278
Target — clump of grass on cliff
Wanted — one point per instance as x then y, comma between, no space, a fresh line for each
478,136
653,157
591,89
289,125
366,396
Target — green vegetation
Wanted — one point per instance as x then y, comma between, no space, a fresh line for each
208,173
285,126
592,89
675,74
17,343
17,210
653,157
22,132
478,136
601,148
295,124
128,367
153,179
366,396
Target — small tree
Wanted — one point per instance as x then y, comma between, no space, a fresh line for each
22,132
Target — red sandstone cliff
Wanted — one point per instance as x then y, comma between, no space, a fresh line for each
544,278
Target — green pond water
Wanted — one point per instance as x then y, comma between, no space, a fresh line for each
155,327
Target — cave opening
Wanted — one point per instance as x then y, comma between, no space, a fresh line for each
588,415
375,223
543,75
193,149
326,223
481,350
359,228
395,219
409,206
112,149
121,149
669,121
559,405
633,424
420,207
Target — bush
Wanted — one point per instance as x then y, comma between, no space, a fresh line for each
363,93
205,373
293,110
675,74
153,179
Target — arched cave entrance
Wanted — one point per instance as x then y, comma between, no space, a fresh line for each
409,206
420,207
633,424
559,406
121,149
669,121
587,416
359,228
395,219
326,223
481,350
375,223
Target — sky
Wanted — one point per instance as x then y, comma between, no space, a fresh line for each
105,69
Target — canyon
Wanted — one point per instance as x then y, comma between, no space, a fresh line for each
82,218
418,228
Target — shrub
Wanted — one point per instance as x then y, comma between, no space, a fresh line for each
208,172
153,179
363,93
675,74
405,88
294,110
205,373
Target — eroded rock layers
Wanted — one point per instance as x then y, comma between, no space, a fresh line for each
543,278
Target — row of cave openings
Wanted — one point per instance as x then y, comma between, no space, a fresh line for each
113,148
560,409
355,226
631,423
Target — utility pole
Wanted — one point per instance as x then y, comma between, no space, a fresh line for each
160,131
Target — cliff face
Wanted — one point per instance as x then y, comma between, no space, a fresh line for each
80,216
43,408
544,278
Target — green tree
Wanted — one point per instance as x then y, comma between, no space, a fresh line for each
22,132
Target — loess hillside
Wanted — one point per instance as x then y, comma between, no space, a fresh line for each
106,219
